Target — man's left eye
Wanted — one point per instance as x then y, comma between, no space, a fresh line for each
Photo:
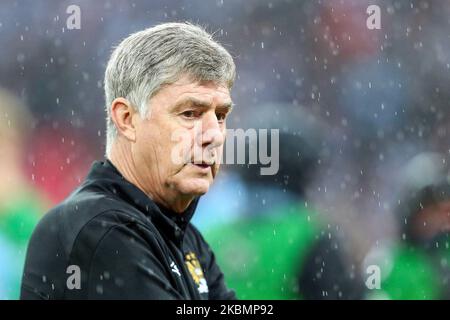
221,116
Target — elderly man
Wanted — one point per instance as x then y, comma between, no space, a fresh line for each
125,232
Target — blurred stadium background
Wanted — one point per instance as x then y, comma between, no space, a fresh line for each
364,124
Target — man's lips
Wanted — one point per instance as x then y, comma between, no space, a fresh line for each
205,167
202,165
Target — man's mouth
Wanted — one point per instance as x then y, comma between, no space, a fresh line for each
202,165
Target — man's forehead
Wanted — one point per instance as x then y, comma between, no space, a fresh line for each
202,95
186,92
203,101
202,87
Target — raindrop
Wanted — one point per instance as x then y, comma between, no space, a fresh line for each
99,289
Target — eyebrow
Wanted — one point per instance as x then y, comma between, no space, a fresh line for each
201,104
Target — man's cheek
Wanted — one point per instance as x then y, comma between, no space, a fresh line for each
180,147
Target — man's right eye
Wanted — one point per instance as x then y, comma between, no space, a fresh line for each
190,114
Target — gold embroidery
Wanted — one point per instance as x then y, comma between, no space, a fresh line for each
195,269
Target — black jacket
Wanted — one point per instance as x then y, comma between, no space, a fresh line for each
121,245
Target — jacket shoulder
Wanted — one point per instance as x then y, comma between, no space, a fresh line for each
70,232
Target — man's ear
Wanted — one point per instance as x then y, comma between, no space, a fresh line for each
122,113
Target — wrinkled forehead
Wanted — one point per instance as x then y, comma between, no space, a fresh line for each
187,82
186,92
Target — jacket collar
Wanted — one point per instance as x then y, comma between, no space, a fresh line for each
106,176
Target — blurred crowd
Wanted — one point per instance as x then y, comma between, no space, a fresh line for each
364,137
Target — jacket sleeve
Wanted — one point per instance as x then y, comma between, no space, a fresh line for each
215,278
123,267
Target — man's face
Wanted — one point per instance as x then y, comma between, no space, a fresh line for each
179,144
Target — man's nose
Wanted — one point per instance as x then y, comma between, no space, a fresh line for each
212,133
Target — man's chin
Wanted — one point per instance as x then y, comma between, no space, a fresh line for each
194,186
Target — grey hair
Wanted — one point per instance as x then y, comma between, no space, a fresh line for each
146,60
